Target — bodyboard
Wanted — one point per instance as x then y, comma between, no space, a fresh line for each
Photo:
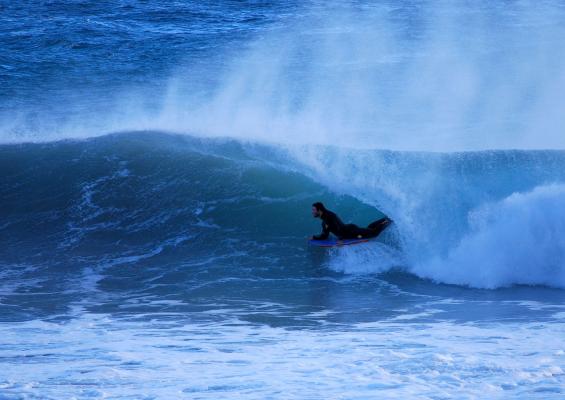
336,242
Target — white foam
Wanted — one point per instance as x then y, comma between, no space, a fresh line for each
518,240
374,257
167,359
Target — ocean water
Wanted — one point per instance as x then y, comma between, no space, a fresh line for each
158,161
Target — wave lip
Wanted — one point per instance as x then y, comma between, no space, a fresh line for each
517,241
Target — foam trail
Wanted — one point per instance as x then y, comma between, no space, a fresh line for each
374,258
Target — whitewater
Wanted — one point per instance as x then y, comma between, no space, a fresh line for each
158,162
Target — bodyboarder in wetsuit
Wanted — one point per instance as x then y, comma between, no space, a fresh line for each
331,223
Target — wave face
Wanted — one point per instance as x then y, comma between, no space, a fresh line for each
131,203
120,192
146,212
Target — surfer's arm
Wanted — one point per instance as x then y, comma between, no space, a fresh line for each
325,233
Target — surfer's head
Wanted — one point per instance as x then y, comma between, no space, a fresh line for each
318,209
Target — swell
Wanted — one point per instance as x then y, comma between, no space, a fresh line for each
143,204
132,189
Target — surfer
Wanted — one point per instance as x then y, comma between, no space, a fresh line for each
331,223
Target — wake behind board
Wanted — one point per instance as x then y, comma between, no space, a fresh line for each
337,243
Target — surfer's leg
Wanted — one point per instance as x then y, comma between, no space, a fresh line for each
380,222
378,226
350,231
362,233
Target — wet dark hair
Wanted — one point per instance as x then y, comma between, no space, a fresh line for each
319,206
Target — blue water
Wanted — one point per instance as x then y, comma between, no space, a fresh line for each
158,161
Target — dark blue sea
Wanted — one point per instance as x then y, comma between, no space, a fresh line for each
159,159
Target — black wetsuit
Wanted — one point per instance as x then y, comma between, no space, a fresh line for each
331,223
